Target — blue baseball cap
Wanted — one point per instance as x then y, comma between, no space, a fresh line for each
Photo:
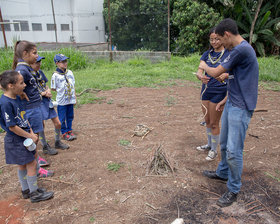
40,58
59,57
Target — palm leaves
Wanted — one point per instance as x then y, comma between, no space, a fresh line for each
264,30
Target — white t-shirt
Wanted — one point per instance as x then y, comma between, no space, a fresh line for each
64,84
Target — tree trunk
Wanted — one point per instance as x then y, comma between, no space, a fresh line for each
254,21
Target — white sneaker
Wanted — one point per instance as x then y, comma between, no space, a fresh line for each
211,155
203,148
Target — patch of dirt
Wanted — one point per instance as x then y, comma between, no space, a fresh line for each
87,190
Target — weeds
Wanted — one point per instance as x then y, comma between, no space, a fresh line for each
170,101
273,177
124,142
91,219
111,166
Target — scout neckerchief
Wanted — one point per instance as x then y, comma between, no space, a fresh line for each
34,74
68,84
214,60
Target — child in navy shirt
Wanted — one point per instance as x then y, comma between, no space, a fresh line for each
24,55
13,121
47,108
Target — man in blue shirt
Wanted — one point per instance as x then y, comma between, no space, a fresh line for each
243,69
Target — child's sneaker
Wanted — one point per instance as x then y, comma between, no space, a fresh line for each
60,145
67,137
37,196
203,148
72,134
42,162
211,155
45,173
48,150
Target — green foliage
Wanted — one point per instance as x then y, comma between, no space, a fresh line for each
266,35
268,68
194,21
124,142
111,166
92,219
137,24
1,130
6,59
264,31
78,59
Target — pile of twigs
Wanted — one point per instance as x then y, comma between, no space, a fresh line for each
159,163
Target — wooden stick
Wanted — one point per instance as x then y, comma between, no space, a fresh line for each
259,210
125,199
150,206
211,192
253,207
261,110
54,180
250,203
269,209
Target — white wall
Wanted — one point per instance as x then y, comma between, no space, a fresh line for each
83,16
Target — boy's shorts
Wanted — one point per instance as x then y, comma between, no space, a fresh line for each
47,113
35,118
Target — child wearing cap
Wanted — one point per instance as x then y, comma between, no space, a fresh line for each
63,83
47,108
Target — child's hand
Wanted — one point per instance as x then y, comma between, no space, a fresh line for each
48,93
34,136
205,79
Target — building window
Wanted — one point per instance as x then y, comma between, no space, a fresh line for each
36,26
65,27
50,27
21,26
96,28
7,27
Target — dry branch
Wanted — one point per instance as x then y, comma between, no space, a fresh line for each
59,181
87,90
159,163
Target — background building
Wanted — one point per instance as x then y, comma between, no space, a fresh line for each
79,21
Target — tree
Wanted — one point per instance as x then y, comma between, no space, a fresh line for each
194,21
257,21
138,24
263,31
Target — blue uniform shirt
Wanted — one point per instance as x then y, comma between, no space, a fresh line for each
243,70
41,80
12,114
31,88
214,55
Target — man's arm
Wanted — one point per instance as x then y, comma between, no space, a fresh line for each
214,72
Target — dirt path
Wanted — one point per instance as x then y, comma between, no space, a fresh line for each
86,191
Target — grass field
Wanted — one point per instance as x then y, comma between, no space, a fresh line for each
136,72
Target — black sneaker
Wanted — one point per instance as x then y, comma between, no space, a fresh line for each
227,199
60,145
26,193
48,150
37,196
212,175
